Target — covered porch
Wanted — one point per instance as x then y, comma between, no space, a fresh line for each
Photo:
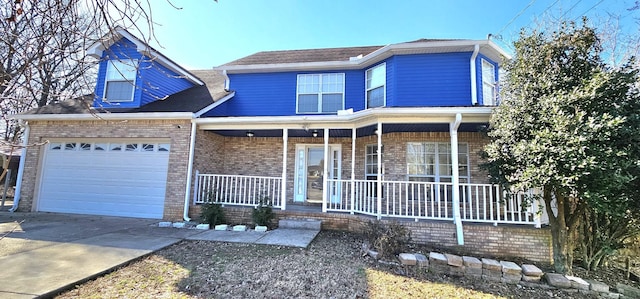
418,163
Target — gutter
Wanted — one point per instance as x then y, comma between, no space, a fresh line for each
23,155
106,116
472,64
187,192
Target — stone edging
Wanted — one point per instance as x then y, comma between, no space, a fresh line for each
506,272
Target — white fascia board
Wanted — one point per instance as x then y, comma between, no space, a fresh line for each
358,119
106,116
214,105
490,49
101,45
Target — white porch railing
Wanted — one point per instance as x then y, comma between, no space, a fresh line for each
429,200
400,199
239,190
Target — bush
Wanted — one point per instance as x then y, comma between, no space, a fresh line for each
212,214
263,213
388,239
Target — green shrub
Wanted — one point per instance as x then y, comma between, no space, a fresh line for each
388,239
263,213
213,214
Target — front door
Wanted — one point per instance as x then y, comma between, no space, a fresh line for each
308,183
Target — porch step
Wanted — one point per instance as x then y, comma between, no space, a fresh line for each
308,224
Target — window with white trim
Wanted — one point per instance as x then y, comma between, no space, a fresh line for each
371,161
120,80
489,95
320,93
431,162
376,78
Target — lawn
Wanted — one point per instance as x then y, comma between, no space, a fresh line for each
332,267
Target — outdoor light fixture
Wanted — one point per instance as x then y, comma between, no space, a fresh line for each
249,134
314,133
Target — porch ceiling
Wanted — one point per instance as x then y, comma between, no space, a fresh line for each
361,132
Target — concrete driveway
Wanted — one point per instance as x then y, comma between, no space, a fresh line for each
41,253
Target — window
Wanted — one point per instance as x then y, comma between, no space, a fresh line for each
371,161
120,80
431,162
488,83
320,93
376,79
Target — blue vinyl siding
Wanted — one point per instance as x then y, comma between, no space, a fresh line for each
420,80
153,81
274,94
479,75
431,80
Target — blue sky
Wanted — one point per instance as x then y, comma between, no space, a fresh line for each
203,33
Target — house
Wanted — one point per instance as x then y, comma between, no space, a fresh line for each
342,134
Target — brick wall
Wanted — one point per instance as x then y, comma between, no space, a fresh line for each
262,156
502,241
177,131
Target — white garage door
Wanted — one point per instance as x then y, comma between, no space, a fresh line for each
105,178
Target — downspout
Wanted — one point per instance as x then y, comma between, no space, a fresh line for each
455,177
192,143
472,64
23,155
227,81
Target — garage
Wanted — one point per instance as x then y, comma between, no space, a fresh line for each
114,178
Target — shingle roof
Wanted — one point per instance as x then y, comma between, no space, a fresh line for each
310,55
192,99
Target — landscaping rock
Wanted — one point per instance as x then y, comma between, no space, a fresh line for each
557,280
599,287
472,266
239,228
491,268
578,283
454,260
511,268
438,262
511,278
221,227
613,295
164,224
628,291
421,261
490,264
407,259
374,254
531,270
178,224
493,278
203,226
437,258
528,278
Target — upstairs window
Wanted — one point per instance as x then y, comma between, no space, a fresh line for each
376,79
489,96
320,93
120,80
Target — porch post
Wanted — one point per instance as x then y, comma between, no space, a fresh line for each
353,168
325,171
455,177
379,178
283,188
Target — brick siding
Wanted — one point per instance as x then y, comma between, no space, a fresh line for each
177,131
502,241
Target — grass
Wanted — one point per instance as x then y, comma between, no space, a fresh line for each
332,267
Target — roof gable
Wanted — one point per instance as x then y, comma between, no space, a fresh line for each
97,48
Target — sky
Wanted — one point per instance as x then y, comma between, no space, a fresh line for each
201,34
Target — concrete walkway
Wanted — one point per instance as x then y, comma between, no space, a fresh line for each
43,253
